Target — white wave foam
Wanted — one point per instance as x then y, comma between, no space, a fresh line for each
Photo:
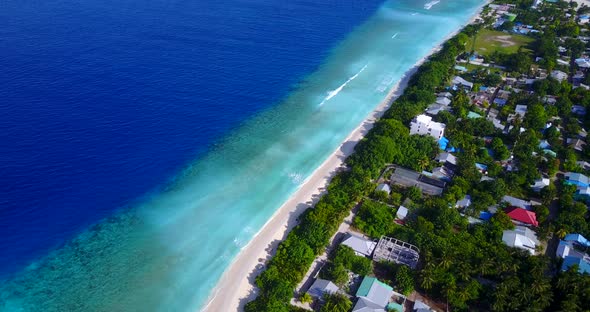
296,178
385,83
334,92
430,4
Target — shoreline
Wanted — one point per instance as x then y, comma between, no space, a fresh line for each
238,280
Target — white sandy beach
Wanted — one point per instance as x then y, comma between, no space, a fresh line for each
236,287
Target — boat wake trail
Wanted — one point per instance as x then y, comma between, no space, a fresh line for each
334,92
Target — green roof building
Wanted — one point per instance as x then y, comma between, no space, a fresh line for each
375,291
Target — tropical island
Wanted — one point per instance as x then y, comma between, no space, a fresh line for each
470,193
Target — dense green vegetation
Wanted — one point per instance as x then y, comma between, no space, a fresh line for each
382,145
343,260
465,266
400,277
375,219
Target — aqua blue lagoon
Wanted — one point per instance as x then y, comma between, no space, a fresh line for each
144,143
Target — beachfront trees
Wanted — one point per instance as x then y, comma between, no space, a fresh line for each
375,219
335,272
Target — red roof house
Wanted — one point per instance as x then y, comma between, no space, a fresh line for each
522,216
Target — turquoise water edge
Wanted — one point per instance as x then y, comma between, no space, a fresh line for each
168,253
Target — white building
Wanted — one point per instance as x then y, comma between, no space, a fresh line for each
423,125
361,246
521,237
384,188
459,83
540,184
559,75
402,213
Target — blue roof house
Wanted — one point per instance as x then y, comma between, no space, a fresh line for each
544,144
443,143
485,216
583,194
577,179
577,238
500,102
582,263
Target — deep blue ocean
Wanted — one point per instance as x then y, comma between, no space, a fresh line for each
144,143
102,101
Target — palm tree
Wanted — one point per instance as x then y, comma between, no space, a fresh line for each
445,262
306,298
485,267
423,163
336,303
464,271
561,233
427,277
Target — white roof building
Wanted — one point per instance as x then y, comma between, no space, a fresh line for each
366,305
521,110
361,246
583,62
521,237
423,125
460,82
463,203
383,187
559,75
321,287
402,212
446,157
540,184
443,101
420,306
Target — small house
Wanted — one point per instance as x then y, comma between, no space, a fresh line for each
384,187
360,245
522,217
402,213
522,238
460,83
373,294
322,287
540,184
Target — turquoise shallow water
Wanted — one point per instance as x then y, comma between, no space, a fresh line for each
167,253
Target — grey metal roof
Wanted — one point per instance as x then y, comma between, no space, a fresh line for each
517,202
384,188
402,212
465,202
321,287
365,305
379,294
447,157
360,245
408,178
419,305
